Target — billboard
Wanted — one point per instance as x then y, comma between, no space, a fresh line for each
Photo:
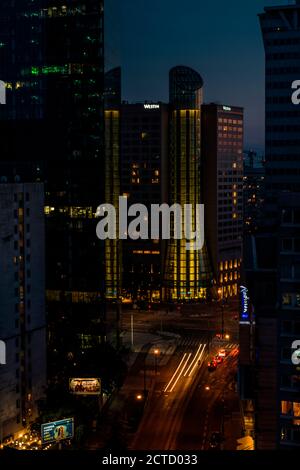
85,386
57,431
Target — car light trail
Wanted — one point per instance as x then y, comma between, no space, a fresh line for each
174,375
198,359
181,372
194,360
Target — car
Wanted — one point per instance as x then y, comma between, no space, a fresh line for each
215,440
219,359
222,353
212,365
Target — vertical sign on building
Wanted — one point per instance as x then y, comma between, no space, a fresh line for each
245,315
2,353
2,92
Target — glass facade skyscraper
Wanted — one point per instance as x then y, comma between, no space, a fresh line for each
187,273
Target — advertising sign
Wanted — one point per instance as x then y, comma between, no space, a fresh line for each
57,431
83,386
245,313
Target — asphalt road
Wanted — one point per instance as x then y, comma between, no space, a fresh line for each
181,413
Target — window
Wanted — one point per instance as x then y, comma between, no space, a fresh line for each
287,216
286,353
297,328
287,327
287,299
287,244
286,271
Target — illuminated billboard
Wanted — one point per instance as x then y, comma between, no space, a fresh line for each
85,386
57,431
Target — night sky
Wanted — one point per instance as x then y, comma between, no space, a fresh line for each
220,39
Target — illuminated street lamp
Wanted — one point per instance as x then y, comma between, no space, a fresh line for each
139,397
156,354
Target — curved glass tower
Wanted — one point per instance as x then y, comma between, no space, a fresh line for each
187,274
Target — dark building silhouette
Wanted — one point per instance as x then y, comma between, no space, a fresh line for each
51,58
113,248
273,255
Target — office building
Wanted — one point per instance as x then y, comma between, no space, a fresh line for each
253,190
51,58
144,179
113,248
187,272
22,305
222,172
275,248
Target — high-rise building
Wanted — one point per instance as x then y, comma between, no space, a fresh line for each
144,179
273,273
113,249
281,40
253,190
51,58
187,272
222,168
22,304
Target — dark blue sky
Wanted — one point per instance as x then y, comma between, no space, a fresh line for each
221,39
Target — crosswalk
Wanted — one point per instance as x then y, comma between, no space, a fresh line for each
191,341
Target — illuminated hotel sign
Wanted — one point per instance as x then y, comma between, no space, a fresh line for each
151,106
245,317
226,108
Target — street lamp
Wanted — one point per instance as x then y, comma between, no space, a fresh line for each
156,354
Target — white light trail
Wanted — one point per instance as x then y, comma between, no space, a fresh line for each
174,375
193,361
181,372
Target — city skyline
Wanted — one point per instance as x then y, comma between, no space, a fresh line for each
145,63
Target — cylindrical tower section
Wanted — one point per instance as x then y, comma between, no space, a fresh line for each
187,272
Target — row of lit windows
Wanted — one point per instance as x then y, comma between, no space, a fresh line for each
146,252
290,300
230,121
229,277
231,129
72,212
77,297
291,409
229,264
